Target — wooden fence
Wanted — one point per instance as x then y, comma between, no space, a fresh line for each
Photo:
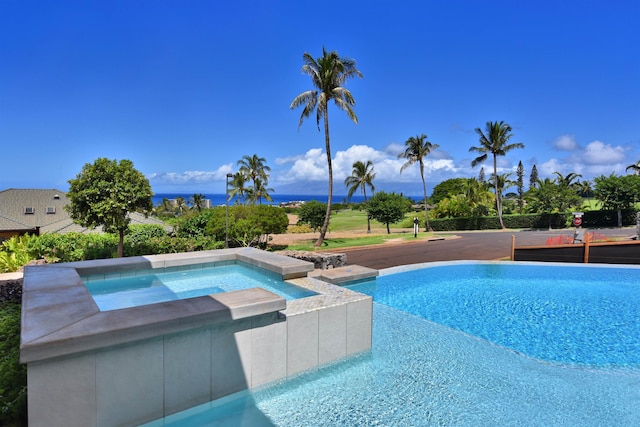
624,252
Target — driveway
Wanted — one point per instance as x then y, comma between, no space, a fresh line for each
484,245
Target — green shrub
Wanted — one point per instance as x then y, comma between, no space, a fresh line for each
14,253
13,375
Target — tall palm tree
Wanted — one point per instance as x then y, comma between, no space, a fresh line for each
417,148
328,74
361,176
254,168
495,141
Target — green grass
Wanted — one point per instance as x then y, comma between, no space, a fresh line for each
356,221
338,243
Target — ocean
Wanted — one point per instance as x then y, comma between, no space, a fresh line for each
218,199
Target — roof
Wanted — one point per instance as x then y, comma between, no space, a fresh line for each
27,210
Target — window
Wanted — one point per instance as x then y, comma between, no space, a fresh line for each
29,211
51,209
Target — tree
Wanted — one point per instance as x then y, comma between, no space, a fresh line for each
181,205
496,142
549,196
570,180
238,189
312,213
254,169
387,208
533,178
520,186
482,175
361,176
617,192
247,225
258,191
105,192
328,74
417,148
197,201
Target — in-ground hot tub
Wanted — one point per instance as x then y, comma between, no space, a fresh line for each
128,366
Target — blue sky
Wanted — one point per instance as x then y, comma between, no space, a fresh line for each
185,89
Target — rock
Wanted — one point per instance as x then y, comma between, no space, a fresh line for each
320,260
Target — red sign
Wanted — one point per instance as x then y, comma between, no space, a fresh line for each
577,221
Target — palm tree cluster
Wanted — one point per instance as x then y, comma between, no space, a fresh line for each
253,170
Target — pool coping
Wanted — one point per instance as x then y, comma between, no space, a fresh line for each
60,317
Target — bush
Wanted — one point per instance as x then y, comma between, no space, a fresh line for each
312,213
13,374
247,225
71,247
14,253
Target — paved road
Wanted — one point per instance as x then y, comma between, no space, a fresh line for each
486,245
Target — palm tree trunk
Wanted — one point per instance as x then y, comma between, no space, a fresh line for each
364,191
427,226
495,185
325,225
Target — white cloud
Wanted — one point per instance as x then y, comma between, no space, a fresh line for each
599,153
566,143
597,158
191,177
289,159
312,166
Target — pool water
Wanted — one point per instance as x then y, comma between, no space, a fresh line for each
423,373
568,314
157,285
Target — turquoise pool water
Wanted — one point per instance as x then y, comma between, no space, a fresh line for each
423,373
159,285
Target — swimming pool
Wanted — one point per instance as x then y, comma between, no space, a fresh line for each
420,372
152,286
565,314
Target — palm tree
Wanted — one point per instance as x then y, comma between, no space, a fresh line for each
238,188
259,191
570,180
361,176
328,75
635,168
181,205
197,200
254,168
496,142
417,148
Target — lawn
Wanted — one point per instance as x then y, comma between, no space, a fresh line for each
355,221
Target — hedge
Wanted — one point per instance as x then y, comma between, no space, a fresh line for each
591,219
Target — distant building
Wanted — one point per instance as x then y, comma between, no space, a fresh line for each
33,211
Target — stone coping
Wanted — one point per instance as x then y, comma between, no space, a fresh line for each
286,267
60,317
345,275
328,295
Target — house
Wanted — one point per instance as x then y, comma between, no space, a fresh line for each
35,211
